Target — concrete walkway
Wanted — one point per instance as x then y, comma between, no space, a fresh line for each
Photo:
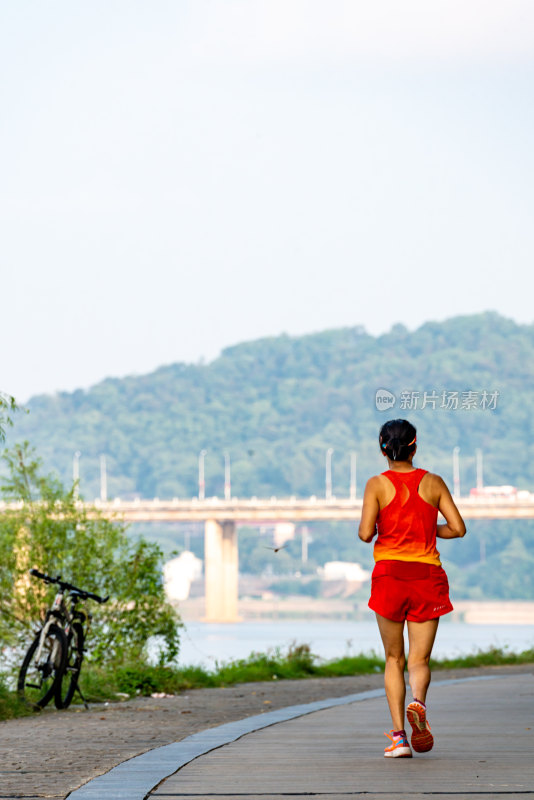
484,745
484,731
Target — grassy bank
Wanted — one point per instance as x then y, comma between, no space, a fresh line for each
10,705
298,662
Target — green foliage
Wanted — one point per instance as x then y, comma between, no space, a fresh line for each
362,664
101,684
296,586
494,656
277,404
141,679
45,527
11,705
8,406
495,561
296,663
480,566
299,662
508,575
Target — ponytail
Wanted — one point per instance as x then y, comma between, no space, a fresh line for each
398,439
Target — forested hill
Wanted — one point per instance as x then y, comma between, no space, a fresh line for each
277,404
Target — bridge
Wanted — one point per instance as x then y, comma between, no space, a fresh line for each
221,517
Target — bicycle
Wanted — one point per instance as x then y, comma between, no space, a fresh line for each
52,664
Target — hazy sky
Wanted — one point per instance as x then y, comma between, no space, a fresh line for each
181,176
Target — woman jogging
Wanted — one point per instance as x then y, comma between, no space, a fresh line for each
408,584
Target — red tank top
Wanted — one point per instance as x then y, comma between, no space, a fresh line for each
407,525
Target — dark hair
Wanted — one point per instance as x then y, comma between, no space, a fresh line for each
397,439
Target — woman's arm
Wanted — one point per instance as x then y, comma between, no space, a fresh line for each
370,509
454,526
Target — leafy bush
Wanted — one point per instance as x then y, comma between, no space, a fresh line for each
7,407
45,527
493,656
10,704
101,683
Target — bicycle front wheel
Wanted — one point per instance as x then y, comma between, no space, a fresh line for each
66,685
42,667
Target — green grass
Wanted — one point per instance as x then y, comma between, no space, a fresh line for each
10,704
493,657
297,662
112,684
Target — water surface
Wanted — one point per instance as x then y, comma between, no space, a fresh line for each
206,643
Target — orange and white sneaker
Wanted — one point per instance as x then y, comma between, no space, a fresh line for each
399,747
422,739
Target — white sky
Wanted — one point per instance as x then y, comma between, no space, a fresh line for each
177,176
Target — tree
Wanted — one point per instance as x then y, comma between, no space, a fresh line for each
45,526
7,407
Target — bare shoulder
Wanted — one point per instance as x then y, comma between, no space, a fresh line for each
432,487
433,480
372,489
376,485
455,526
374,482
380,488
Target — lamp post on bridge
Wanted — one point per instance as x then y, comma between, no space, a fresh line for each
328,473
201,481
353,457
480,485
480,479
76,473
304,553
103,479
456,472
227,477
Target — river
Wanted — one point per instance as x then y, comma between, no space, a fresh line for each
205,643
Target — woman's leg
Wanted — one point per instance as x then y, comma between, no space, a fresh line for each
392,634
421,637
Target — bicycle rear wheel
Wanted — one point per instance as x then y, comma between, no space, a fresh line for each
40,672
66,685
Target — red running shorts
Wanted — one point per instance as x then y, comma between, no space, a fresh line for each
409,590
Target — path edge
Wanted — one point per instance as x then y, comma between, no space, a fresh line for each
136,777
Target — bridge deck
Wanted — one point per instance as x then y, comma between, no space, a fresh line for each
275,509
291,510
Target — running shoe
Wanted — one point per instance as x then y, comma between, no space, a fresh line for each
422,739
399,747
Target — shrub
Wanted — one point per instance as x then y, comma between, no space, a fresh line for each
48,528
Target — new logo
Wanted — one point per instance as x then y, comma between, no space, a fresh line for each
384,399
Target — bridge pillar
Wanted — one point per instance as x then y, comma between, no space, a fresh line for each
221,571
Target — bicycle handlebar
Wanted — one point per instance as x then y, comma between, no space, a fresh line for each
68,586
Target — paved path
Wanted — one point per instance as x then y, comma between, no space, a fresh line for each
484,748
50,755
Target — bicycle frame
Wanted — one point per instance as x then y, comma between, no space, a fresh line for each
58,613
63,616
